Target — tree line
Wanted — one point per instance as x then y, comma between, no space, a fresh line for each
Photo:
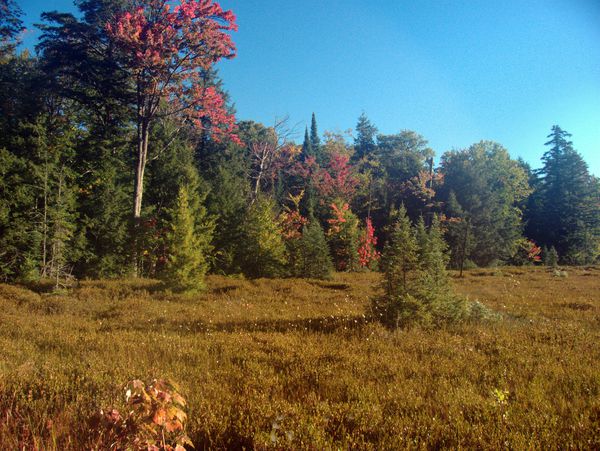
120,155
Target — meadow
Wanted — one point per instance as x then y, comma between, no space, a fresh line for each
297,364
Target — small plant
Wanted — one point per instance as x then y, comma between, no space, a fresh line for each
526,252
500,396
560,273
551,258
155,420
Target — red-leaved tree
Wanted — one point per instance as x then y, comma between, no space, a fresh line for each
166,51
368,254
336,180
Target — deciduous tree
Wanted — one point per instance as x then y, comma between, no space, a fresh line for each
165,52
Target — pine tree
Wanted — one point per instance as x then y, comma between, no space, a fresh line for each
565,209
343,237
313,260
315,142
551,257
263,252
10,26
399,264
364,143
187,263
307,150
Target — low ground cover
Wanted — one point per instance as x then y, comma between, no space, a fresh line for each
299,364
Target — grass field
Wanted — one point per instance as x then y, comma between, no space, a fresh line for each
293,364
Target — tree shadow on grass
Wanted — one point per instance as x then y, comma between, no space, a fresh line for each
324,324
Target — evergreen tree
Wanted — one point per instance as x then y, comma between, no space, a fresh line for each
307,150
343,237
458,233
565,209
103,203
399,264
312,259
18,241
315,142
551,257
263,250
227,201
10,27
364,143
187,263
416,284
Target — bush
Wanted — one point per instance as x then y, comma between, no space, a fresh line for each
155,419
551,258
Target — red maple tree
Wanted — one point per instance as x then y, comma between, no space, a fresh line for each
167,51
367,253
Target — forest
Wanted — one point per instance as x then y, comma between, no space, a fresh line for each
126,179
121,155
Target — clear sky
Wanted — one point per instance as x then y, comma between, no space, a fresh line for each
455,71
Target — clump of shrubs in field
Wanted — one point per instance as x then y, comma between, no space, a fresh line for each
155,420
416,286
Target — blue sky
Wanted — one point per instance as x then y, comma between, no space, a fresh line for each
454,71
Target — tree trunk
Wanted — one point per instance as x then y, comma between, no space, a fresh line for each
138,191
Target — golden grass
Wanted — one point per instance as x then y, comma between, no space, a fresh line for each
292,364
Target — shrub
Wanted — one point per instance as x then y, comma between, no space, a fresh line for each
155,419
551,258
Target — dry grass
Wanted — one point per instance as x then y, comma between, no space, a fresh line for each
296,364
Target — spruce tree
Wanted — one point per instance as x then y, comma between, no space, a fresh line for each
227,201
307,150
313,260
186,263
315,141
416,284
565,208
551,257
343,237
364,143
263,252
433,287
399,264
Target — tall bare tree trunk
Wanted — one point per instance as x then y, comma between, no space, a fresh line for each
138,191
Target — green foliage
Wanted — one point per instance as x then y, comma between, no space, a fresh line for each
564,210
10,27
415,281
263,252
364,143
551,257
227,202
187,247
315,142
488,187
309,254
343,237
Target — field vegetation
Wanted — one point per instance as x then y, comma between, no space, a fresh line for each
289,364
